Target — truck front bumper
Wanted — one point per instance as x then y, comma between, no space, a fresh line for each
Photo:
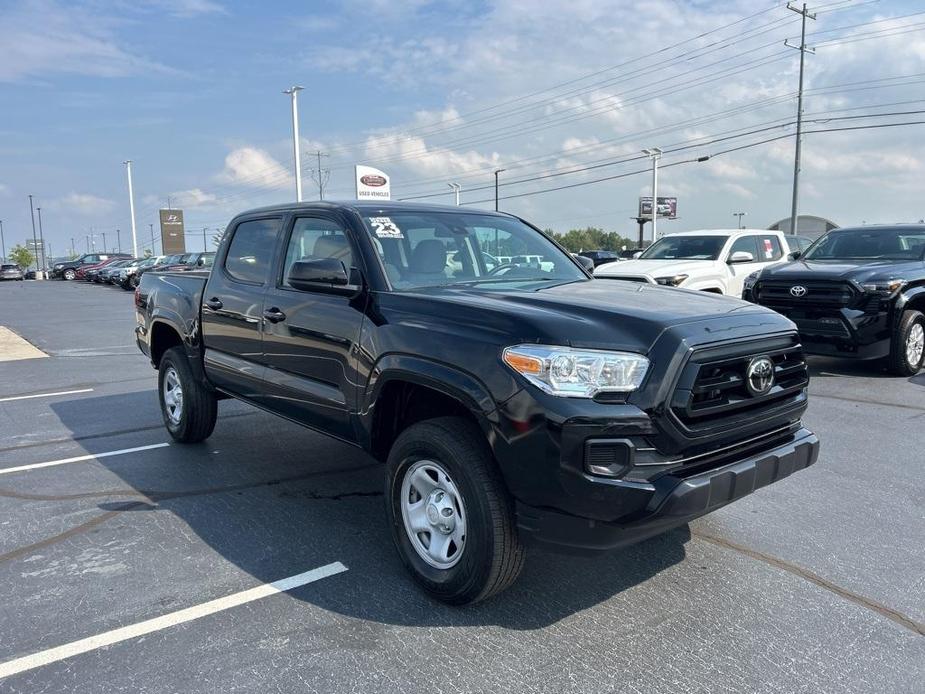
673,499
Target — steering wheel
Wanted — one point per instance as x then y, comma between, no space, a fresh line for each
498,268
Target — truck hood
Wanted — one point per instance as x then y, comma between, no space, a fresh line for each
592,314
652,268
870,271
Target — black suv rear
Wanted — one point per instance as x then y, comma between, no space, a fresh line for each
857,293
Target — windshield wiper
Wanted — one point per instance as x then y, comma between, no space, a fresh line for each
491,280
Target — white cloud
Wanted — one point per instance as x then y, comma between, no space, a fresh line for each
194,197
43,37
430,161
254,167
84,204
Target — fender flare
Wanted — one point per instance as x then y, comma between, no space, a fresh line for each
443,378
189,339
914,295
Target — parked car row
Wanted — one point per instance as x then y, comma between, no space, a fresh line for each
125,271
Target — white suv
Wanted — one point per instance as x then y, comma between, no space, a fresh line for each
714,260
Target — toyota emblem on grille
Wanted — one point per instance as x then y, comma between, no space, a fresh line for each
759,376
798,290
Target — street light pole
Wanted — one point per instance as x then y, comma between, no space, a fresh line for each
655,154
456,187
293,93
131,207
2,242
35,241
41,237
497,171
119,240
151,227
104,241
740,215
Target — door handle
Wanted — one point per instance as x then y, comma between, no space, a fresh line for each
214,303
274,315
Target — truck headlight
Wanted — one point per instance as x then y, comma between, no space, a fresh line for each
577,373
751,279
672,281
885,289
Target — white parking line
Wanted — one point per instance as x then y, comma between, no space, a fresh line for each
53,655
80,458
46,395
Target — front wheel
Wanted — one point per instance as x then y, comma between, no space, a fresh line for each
907,351
188,407
69,274
452,518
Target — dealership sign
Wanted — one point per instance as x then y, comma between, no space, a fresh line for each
173,239
372,184
667,207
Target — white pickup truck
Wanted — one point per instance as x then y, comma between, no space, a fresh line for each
714,260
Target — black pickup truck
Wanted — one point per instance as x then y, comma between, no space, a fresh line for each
510,400
856,292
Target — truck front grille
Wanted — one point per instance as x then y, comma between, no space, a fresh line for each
777,293
712,392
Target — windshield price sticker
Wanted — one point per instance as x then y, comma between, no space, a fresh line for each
385,228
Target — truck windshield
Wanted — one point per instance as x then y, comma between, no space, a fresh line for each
685,248
427,249
869,244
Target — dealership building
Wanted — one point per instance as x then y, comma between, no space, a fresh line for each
808,225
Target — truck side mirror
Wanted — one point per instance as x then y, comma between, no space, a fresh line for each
795,255
321,274
741,257
585,262
637,254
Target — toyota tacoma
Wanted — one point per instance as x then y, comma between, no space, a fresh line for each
856,293
511,397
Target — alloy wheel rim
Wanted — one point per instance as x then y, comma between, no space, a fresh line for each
915,344
173,396
433,514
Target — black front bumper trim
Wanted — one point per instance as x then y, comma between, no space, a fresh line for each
675,500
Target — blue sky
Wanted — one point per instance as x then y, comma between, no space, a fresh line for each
190,90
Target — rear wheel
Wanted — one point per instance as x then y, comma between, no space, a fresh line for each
70,274
907,351
452,518
188,407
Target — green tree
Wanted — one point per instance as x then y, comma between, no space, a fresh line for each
592,238
22,256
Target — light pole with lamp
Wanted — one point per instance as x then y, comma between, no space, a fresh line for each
456,187
654,153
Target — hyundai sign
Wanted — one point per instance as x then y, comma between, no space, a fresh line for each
372,184
173,239
667,207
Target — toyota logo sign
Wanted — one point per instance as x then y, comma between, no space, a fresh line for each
798,291
759,376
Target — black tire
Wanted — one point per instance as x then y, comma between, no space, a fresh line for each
69,274
195,419
911,322
492,555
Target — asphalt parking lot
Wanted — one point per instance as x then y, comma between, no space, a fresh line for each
815,584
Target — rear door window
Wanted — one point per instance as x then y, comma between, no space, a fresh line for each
251,251
769,249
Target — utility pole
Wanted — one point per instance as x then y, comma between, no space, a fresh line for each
794,208
2,242
497,171
119,240
73,250
151,227
654,153
320,176
456,187
41,237
204,247
35,241
131,206
740,215
104,241
293,92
